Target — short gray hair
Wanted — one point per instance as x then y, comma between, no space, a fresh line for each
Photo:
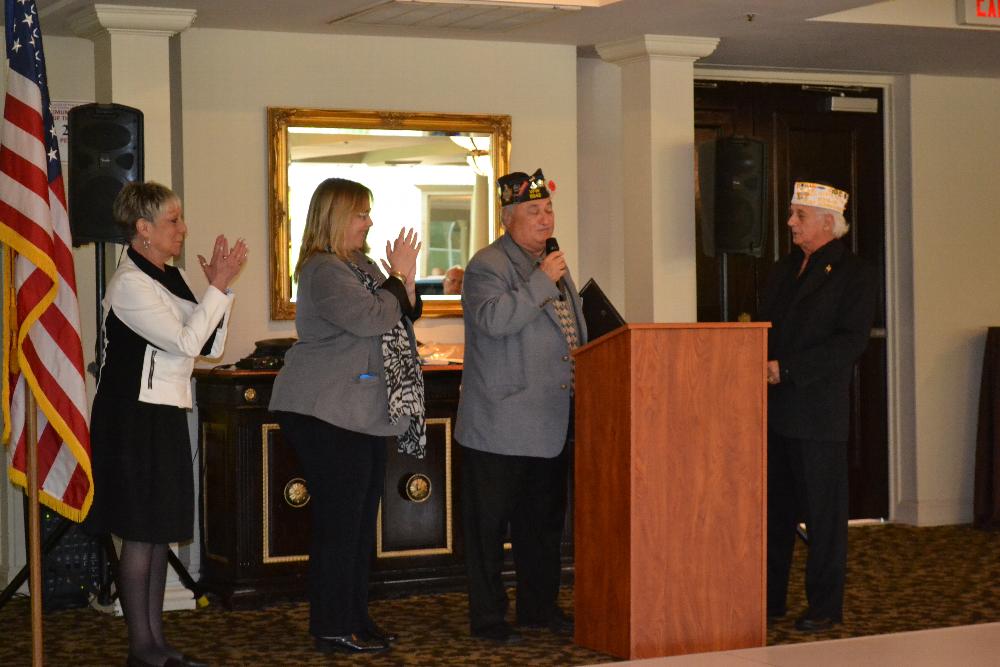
840,226
140,201
506,213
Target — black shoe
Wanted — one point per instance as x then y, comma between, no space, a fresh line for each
815,624
353,643
500,633
136,661
185,661
560,623
376,631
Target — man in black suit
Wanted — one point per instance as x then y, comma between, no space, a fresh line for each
821,301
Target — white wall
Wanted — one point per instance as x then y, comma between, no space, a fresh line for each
956,283
231,77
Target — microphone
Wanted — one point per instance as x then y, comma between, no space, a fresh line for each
551,245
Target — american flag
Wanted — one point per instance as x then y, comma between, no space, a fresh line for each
42,352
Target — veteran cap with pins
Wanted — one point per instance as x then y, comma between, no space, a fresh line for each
518,187
821,195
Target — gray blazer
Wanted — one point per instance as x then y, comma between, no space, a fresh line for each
335,370
516,384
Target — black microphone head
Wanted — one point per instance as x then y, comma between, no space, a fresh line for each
551,245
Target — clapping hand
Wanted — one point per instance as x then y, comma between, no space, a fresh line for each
226,262
402,255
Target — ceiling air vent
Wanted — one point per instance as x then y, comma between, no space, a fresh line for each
479,15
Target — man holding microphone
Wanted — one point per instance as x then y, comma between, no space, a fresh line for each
522,319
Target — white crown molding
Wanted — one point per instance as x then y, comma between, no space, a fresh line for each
664,47
99,19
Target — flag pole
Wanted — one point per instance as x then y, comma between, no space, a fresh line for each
34,535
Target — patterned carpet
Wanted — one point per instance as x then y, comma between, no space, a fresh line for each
900,578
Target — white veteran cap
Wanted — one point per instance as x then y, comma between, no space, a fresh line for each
818,194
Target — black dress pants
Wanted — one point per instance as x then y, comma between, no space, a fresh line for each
529,494
345,473
807,481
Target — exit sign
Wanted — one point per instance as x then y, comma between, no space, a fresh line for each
979,12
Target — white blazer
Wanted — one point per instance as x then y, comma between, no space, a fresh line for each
175,330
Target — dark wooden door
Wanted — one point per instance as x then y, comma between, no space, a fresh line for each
806,140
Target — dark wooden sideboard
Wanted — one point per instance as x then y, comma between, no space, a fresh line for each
254,502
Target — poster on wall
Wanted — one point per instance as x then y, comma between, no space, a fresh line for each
60,124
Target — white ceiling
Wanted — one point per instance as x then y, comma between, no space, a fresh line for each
898,36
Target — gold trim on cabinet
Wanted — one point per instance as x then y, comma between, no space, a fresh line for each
204,494
433,551
266,556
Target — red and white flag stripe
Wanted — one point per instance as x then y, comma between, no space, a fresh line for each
42,341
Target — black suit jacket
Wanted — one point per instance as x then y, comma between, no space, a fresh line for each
821,322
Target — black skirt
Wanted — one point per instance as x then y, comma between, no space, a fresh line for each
143,476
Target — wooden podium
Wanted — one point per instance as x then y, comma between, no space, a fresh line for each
671,489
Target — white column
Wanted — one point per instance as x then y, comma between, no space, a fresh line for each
658,185
132,67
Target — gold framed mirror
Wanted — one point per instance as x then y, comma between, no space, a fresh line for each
434,172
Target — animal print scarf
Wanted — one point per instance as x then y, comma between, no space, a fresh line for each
403,380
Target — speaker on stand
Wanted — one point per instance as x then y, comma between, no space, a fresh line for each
732,179
105,153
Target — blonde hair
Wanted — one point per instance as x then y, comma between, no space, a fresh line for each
332,205
138,201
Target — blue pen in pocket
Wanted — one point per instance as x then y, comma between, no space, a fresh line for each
367,376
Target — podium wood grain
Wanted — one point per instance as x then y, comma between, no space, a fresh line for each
670,471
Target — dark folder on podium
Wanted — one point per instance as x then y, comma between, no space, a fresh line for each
598,312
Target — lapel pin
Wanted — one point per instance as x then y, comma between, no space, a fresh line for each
828,268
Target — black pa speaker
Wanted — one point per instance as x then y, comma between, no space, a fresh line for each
105,153
732,177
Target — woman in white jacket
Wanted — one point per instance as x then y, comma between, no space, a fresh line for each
154,329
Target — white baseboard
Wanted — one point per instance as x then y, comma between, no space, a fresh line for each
934,512
177,598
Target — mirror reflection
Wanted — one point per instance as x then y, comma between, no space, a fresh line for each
431,172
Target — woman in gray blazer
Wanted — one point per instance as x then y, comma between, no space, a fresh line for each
350,380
